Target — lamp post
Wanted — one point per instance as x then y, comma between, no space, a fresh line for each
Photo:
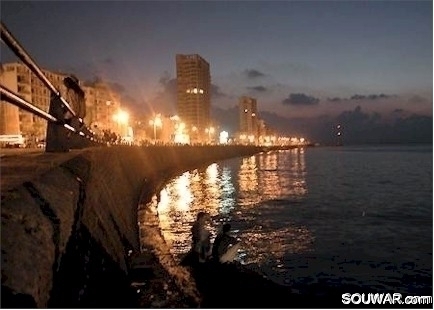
156,122
121,118
209,131
108,104
193,136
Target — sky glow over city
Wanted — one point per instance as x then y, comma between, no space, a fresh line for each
301,60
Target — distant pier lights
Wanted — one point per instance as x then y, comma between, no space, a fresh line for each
338,134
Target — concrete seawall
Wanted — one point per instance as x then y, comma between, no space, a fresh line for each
69,220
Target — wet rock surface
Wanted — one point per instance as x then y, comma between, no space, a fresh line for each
219,286
155,287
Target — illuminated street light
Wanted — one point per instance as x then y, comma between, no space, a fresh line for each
108,105
121,118
224,137
193,134
156,122
210,132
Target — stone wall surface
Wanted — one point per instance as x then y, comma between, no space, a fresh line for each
69,220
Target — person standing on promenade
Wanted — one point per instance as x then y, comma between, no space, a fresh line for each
222,251
201,242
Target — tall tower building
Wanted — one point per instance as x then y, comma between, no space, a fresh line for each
248,116
193,94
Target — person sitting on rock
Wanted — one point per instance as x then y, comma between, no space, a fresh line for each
201,243
225,246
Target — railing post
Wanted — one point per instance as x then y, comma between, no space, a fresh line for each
75,96
57,134
59,139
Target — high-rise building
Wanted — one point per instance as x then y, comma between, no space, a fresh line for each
193,94
248,116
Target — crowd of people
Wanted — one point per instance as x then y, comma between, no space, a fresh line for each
222,250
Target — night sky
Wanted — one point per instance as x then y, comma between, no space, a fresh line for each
306,62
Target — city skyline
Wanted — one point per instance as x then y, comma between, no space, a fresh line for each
299,59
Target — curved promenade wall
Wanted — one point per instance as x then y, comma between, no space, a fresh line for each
69,220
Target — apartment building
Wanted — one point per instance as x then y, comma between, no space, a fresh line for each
248,115
102,103
193,94
9,114
18,78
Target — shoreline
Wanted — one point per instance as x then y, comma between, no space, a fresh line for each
159,281
247,286
70,220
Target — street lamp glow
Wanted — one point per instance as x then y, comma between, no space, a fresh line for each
210,132
121,117
223,139
156,122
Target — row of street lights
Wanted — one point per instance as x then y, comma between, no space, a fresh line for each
179,135
179,129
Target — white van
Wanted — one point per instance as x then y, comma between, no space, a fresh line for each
12,141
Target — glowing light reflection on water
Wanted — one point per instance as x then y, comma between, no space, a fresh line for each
335,216
237,195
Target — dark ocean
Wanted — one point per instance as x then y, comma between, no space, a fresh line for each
317,217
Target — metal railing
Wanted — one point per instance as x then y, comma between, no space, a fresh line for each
65,128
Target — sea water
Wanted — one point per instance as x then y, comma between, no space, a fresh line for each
318,217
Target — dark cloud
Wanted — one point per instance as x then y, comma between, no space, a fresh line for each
253,74
357,97
370,97
334,99
360,97
353,117
258,88
300,99
358,127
